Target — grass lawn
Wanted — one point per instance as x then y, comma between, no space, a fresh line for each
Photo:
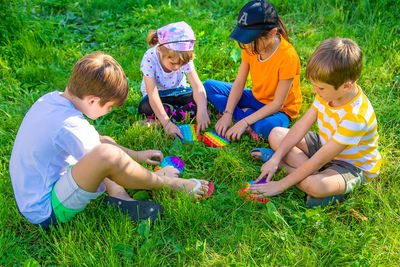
40,41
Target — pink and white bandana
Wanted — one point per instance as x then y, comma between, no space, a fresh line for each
177,36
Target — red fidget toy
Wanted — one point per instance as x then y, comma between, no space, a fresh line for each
245,192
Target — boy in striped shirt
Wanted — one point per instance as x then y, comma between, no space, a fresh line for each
331,163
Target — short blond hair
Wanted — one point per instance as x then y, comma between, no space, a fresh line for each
100,75
180,57
335,61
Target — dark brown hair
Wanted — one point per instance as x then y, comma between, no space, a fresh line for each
335,61
255,44
100,75
181,57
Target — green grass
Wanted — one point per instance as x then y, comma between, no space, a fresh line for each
40,41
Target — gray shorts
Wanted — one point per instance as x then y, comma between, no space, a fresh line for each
68,199
351,174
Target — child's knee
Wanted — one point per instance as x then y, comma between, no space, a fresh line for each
310,187
209,86
315,186
108,155
207,83
276,136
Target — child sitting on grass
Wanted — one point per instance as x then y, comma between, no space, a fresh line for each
274,68
166,94
331,163
54,136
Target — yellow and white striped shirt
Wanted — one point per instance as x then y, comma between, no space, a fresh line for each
354,125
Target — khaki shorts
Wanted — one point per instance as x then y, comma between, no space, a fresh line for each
351,174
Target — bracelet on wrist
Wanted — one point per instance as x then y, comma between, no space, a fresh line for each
229,112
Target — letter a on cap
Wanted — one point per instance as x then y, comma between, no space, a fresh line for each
243,19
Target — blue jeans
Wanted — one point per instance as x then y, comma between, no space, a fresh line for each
218,93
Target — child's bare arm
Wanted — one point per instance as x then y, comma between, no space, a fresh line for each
281,93
294,136
200,97
147,156
155,100
319,159
297,132
158,108
225,121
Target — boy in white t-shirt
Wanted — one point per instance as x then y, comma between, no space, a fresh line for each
328,164
59,162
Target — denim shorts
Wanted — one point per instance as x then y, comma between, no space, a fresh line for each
352,175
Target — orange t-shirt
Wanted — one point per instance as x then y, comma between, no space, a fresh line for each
284,64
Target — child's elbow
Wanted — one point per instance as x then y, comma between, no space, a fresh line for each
279,105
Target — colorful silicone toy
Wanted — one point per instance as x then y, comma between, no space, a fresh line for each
244,192
176,162
212,139
188,132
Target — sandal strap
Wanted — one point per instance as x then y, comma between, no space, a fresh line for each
198,185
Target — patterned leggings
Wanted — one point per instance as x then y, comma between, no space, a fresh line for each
177,107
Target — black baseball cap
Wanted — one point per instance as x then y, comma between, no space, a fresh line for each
254,18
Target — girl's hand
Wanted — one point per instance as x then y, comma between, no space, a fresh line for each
270,189
236,131
268,169
203,120
149,155
171,129
223,124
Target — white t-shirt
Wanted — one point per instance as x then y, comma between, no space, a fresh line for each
52,136
151,67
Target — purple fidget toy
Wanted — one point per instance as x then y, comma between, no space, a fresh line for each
176,162
262,181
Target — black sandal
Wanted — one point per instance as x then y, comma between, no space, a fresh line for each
136,209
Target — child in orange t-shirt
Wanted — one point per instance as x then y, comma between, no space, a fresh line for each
274,67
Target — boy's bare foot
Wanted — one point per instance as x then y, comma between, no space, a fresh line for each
121,195
168,171
189,186
256,155
115,190
263,154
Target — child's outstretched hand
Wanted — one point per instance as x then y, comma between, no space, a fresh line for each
203,120
171,129
223,124
269,189
236,131
268,169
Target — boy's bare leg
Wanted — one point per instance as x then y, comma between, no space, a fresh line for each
115,190
107,160
323,184
319,184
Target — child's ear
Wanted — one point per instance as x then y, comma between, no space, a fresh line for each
348,85
273,32
91,99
